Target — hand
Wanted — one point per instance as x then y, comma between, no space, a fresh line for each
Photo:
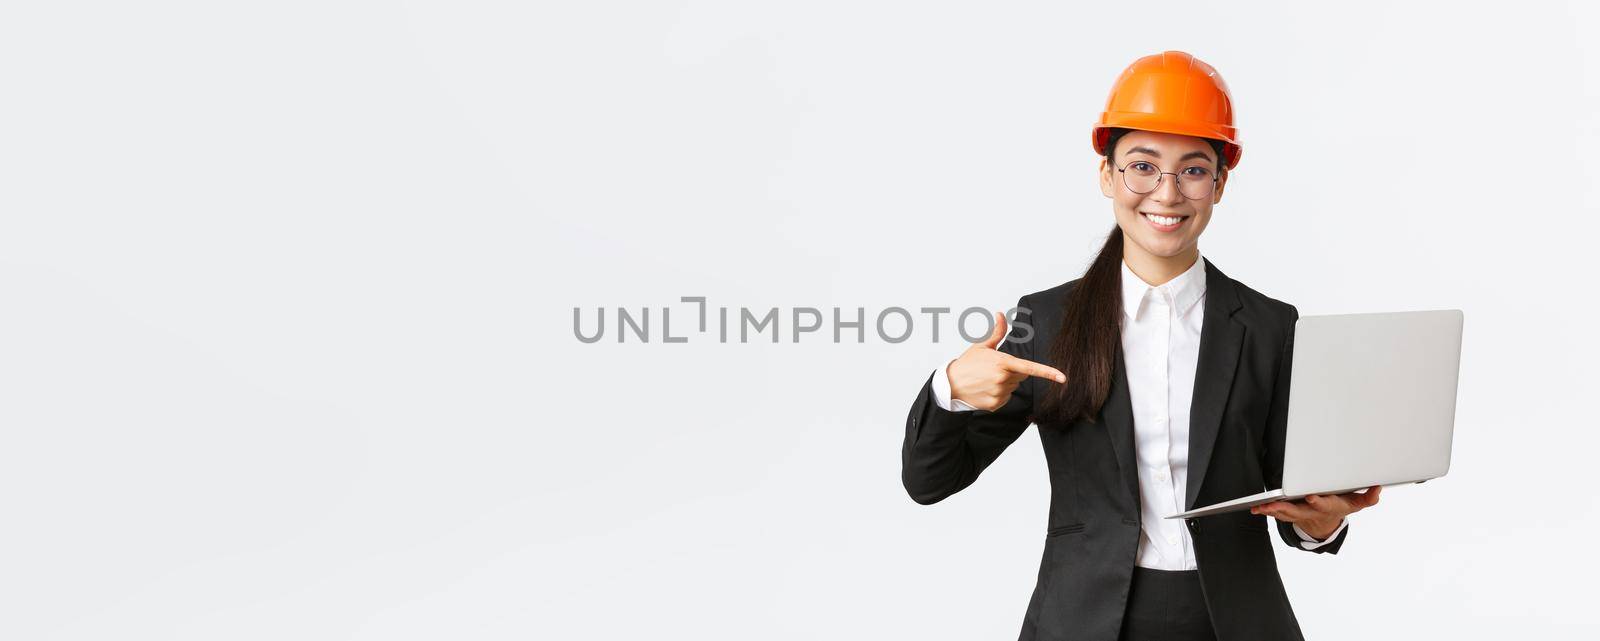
984,377
1320,514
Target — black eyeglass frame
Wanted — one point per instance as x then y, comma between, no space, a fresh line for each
1162,175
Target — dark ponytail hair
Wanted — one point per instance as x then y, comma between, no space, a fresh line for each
1085,347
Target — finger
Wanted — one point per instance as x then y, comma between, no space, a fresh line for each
999,333
1268,508
1297,512
1361,500
1328,505
1367,499
1290,512
1024,366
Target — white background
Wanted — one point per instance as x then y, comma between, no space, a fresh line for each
286,346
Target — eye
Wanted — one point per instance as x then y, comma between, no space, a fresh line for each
1197,173
1142,167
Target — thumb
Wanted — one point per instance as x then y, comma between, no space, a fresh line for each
999,333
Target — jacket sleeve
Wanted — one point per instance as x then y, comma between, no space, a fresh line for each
1277,428
945,451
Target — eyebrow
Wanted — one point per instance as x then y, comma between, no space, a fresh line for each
1192,154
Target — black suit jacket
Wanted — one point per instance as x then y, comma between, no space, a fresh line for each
1236,433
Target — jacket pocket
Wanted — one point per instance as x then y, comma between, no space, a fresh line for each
1070,528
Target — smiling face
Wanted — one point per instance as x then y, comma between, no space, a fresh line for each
1163,224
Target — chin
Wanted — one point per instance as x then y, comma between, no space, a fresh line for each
1164,249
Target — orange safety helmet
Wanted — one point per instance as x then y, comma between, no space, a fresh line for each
1171,92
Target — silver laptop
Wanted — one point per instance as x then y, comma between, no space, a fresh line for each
1372,401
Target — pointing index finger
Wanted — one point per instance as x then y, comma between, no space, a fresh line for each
1025,366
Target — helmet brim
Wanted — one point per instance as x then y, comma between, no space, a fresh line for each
1231,150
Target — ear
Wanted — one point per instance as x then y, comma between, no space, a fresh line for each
1105,178
1222,181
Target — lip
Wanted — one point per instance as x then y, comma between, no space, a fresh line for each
1182,219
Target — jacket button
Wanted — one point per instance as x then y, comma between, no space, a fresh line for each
1194,527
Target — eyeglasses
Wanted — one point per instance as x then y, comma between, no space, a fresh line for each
1142,177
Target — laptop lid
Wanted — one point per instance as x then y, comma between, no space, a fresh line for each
1372,399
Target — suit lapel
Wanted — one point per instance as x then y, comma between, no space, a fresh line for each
1118,413
1221,338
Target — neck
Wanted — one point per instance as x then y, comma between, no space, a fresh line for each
1156,270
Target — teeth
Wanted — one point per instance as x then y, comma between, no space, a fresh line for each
1164,220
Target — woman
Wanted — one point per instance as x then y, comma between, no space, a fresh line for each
1158,383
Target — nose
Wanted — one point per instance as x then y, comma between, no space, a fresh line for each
1167,192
